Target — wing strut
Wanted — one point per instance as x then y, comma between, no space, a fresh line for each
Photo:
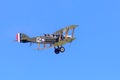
60,36
66,33
44,45
73,32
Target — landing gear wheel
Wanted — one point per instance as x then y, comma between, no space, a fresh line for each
56,51
62,49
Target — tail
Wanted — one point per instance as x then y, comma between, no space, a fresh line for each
21,37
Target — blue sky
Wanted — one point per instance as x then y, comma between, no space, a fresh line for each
94,55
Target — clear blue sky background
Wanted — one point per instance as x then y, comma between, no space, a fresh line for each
94,55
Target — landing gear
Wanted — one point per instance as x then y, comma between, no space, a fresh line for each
59,49
62,49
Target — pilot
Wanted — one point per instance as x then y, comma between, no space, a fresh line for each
48,34
53,35
45,34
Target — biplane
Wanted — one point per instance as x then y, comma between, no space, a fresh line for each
55,40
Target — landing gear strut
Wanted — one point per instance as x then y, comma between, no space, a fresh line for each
59,49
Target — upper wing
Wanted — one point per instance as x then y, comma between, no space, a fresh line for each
65,29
